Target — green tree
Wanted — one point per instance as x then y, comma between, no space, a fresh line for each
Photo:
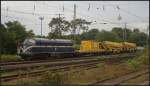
10,45
11,34
79,25
30,34
17,30
2,37
106,36
90,35
119,32
7,41
136,30
58,26
138,37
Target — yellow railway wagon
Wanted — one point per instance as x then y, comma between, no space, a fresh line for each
105,47
130,47
114,47
89,46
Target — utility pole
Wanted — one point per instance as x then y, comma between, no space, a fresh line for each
41,18
74,17
124,33
148,35
59,20
59,15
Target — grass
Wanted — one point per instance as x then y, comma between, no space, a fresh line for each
101,57
4,73
139,61
8,73
144,58
52,79
100,65
27,81
133,64
137,80
9,58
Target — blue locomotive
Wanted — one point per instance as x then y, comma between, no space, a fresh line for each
41,47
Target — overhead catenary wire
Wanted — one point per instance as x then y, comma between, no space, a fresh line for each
52,14
128,12
132,14
101,20
95,18
32,13
109,22
91,17
70,5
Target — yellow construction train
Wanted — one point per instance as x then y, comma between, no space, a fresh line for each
105,47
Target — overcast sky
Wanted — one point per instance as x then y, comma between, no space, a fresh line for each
134,13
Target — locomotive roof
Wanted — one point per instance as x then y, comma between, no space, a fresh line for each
45,40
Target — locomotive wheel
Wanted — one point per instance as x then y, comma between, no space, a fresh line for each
26,58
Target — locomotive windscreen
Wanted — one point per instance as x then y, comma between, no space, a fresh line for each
28,42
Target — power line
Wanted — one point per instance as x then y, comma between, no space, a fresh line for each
96,18
108,22
70,5
31,13
43,14
9,16
90,17
130,13
17,18
19,12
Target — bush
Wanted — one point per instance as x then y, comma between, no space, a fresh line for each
52,79
133,64
10,58
144,58
140,60
100,65
76,47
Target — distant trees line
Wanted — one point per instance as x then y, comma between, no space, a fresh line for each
13,33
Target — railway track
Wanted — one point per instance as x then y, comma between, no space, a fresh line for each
43,64
142,79
60,59
86,65
48,63
37,61
52,66
119,80
145,83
